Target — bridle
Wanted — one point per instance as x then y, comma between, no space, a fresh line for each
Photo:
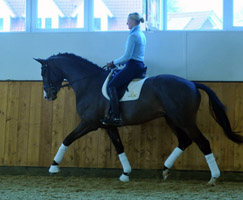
50,84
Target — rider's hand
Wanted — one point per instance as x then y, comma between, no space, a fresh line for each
110,64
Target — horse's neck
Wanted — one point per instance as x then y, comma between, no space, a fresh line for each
82,76
88,82
75,73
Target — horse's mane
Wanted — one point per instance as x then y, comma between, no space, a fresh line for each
76,58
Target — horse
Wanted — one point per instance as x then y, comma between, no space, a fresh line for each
172,97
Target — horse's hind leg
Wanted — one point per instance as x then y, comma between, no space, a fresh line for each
195,134
116,140
183,142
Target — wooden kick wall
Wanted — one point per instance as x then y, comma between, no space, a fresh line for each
31,131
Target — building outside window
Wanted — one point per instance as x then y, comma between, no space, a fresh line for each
194,15
54,14
113,14
13,14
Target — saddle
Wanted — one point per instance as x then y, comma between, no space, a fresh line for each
128,92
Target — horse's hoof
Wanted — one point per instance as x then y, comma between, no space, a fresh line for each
124,178
54,169
212,181
166,173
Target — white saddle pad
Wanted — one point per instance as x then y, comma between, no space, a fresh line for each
133,92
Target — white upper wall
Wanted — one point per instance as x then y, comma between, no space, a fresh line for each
205,56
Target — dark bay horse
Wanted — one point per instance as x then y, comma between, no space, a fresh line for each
167,96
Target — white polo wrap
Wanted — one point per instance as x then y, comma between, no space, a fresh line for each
215,173
60,153
125,163
172,158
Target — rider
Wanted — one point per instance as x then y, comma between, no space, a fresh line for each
133,59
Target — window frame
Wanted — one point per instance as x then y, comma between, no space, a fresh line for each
31,16
228,15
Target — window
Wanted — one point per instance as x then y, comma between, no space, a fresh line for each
60,14
154,12
97,24
112,14
48,22
13,15
194,15
238,13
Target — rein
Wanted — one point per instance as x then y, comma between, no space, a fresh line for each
55,87
70,84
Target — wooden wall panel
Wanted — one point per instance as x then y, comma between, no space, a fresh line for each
45,141
10,153
3,118
69,121
34,124
32,129
23,123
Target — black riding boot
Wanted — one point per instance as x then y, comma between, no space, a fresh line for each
113,118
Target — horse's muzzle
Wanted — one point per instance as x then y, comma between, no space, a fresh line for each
49,95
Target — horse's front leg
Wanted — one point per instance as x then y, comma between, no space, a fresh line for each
82,129
116,140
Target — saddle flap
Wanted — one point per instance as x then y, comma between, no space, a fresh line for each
132,92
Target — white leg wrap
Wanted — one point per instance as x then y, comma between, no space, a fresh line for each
60,153
172,158
125,163
215,173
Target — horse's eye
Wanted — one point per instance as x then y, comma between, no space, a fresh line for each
43,71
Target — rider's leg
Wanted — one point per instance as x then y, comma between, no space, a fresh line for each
114,118
123,77
114,101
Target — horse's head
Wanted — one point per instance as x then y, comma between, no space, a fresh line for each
52,79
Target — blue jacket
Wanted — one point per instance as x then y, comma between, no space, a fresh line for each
135,47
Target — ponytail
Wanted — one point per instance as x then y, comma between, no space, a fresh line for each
135,16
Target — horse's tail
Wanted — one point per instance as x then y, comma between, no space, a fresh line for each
218,111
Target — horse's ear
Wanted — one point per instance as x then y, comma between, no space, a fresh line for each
41,61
